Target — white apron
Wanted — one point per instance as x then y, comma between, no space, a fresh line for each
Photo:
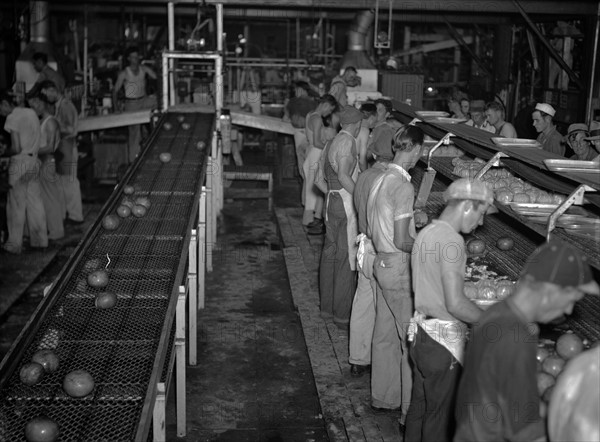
452,335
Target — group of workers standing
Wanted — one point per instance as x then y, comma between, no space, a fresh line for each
490,117
400,292
43,187
44,191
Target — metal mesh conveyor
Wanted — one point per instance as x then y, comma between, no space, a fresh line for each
124,348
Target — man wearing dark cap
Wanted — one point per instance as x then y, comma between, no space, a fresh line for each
478,118
392,229
362,318
442,311
549,137
576,140
498,397
337,270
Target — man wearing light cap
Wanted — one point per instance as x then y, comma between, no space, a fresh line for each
478,118
442,311
337,269
498,396
362,317
550,139
576,139
594,137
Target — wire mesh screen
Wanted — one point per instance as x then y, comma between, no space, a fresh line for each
117,346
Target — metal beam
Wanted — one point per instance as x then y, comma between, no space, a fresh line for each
456,36
549,47
489,8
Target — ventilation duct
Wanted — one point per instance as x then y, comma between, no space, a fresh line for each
357,37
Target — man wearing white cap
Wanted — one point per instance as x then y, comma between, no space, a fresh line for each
550,139
438,329
498,396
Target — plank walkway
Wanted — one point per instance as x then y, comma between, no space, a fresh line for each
345,401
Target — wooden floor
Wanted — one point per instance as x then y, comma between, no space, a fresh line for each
345,401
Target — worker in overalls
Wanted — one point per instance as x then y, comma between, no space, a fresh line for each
362,317
133,81
317,136
24,202
438,329
337,270
392,229
66,115
50,182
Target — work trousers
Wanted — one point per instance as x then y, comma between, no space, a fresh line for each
301,147
53,198
337,281
362,317
391,379
313,206
435,382
70,182
24,205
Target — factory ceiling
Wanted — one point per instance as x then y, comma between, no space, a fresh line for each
294,8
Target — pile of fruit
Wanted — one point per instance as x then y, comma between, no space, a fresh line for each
551,361
482,284
507,188
489,289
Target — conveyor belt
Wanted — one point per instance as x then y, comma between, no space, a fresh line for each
124,348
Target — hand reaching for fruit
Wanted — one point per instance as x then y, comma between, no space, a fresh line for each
421,219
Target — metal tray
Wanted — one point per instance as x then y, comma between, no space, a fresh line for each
450,120
532,209
432,114
573,166
569,220
501,141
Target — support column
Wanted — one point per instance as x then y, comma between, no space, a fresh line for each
171,23
180,361
193,300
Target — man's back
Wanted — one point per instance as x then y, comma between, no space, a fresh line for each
498,397
26,124
364,183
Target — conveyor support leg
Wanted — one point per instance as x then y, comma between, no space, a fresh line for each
202,247
193,298
159,414
180,361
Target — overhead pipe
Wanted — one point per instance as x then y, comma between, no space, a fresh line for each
358,31
39,22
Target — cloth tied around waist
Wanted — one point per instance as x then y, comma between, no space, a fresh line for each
365,249
351,224
452,335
